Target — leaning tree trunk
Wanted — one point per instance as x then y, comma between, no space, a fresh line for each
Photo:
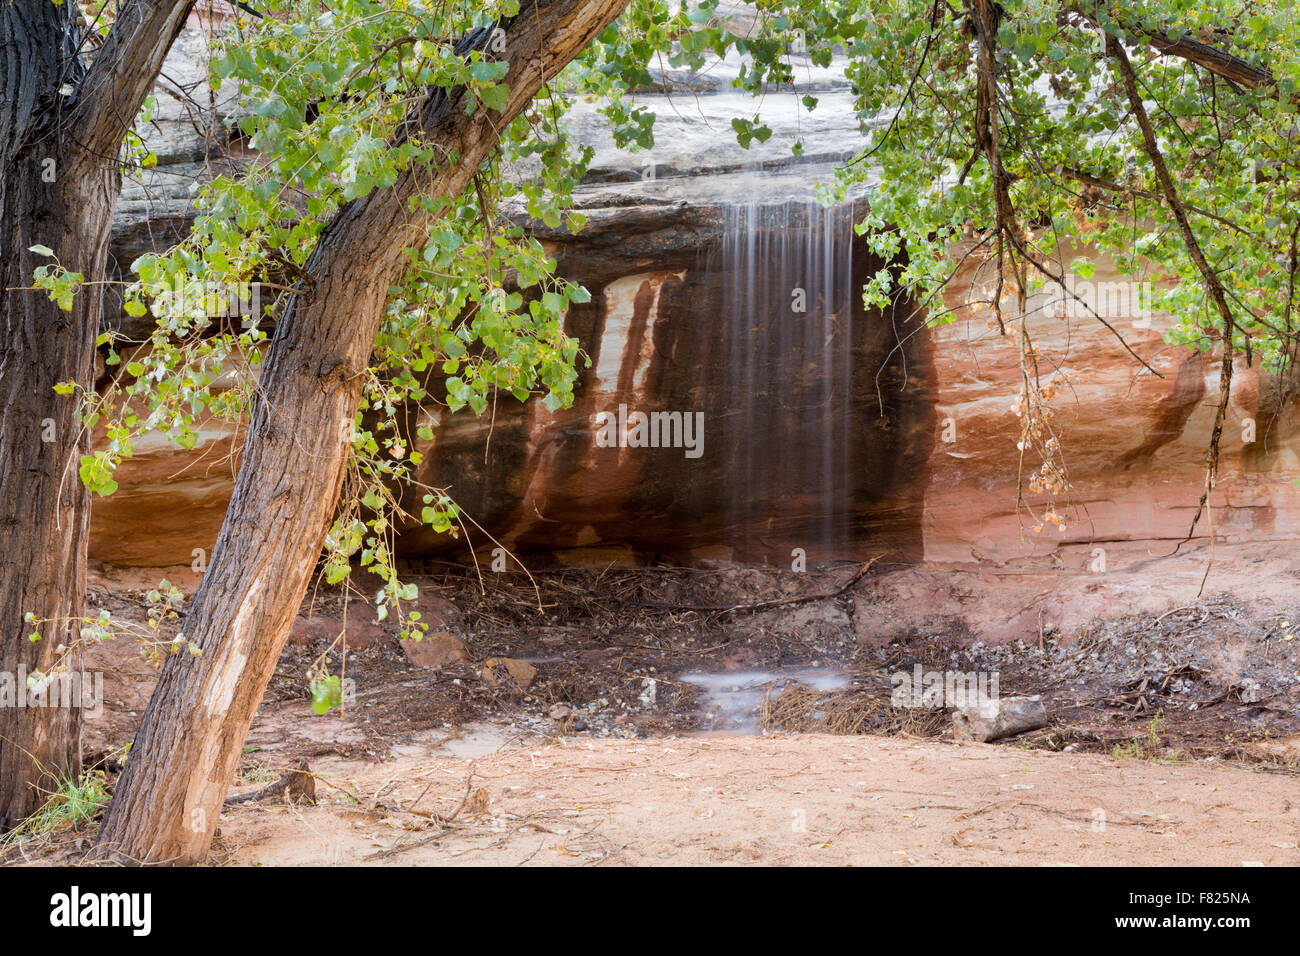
44,507
61,127
167,802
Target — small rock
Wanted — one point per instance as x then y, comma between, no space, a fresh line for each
521,673
307,631
437,611
560,712
651,692
436,650
742,658
362,633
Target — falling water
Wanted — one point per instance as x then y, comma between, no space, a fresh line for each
788,294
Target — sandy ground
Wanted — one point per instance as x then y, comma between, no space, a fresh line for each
783,799
435,764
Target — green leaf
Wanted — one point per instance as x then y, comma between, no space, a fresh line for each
489,71
495,97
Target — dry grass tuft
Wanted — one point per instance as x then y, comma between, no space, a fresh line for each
801,709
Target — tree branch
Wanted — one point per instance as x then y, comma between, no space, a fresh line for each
986,16
123,72
1219,62
37,55
1090,180
1115,50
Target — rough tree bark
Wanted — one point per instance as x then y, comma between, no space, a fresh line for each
39,513
167,802
61,127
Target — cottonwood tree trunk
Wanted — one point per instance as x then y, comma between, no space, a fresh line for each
44,508
60,132
167,802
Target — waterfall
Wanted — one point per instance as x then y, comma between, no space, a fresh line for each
789,295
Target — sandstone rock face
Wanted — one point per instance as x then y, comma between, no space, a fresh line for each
763,368
723,295
1134,443
170,504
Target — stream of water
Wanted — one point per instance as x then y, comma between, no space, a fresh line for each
788,294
